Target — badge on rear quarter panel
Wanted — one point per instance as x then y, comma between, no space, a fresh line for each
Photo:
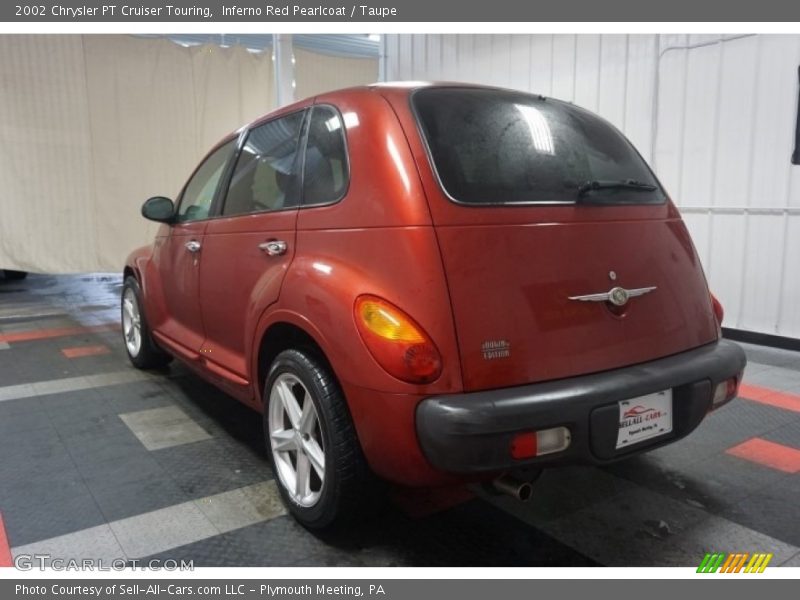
493,349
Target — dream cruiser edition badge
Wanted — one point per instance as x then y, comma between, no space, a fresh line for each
492,349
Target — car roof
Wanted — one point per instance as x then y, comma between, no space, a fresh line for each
402,87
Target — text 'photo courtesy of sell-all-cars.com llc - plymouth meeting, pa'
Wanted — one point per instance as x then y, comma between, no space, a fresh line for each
432,285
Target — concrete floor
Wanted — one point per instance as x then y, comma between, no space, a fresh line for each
99,460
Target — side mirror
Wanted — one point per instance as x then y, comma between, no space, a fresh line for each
159,209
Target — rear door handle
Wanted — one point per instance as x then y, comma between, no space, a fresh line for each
193,246
273,247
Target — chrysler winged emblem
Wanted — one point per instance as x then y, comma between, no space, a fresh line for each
618,296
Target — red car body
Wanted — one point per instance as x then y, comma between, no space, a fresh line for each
490,285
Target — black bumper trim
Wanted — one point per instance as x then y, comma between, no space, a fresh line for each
471,432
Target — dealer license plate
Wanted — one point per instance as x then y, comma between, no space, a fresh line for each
644,418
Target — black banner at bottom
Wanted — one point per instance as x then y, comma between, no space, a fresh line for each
733,586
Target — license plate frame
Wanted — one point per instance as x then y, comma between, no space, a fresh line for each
644,418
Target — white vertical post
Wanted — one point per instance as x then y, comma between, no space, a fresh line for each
382,58
283,56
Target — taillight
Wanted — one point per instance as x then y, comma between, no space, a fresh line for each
538,443
725,391
719,312
396,341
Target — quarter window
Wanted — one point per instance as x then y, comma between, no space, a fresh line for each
325,175
199,192
265,177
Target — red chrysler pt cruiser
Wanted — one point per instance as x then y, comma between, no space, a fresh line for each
432,284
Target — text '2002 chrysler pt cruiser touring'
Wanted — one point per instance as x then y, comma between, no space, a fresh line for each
433,284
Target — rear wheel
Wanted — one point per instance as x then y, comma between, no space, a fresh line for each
315,454
142,350
15,275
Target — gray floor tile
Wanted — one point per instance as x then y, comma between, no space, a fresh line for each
161,530
96,543
159,428
242,507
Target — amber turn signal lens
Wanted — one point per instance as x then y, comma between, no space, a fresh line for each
396,342
388,322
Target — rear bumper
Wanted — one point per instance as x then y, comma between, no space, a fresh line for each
472,432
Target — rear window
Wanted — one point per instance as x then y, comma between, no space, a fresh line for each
502,147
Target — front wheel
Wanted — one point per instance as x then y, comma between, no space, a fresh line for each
315,454
142,350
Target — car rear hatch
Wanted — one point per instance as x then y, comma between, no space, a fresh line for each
542,210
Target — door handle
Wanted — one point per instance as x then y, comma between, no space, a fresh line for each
193,246
273,247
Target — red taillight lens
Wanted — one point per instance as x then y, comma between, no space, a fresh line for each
396,341
719,312
524,445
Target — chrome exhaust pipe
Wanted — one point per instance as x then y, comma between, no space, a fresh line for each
516,488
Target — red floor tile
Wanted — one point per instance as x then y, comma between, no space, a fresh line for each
80,351
41,334
769,454
5,550
771,397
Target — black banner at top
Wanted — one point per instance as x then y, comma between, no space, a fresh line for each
340,11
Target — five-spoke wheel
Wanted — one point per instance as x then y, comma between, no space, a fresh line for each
131,322
142,350
312,444
298,448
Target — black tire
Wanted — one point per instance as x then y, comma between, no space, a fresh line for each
348,486
149,355
15,275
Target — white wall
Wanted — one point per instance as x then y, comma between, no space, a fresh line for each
714,115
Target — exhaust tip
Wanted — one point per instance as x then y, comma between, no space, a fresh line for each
525,492
516,488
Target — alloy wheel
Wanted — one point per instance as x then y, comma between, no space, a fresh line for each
131,322
296,440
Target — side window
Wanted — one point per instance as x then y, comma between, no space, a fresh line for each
325,175
266,171
199,193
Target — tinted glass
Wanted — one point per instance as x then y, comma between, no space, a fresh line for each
325,174
498,147
199,193
266,173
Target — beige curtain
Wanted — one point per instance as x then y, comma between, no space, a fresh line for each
91,126
317,73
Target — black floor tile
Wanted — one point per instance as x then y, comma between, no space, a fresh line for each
136,497
206,468
36,519
107,476
22,422
473,534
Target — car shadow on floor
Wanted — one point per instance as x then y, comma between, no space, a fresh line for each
471,532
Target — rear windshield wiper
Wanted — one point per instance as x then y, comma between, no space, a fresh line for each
628,184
